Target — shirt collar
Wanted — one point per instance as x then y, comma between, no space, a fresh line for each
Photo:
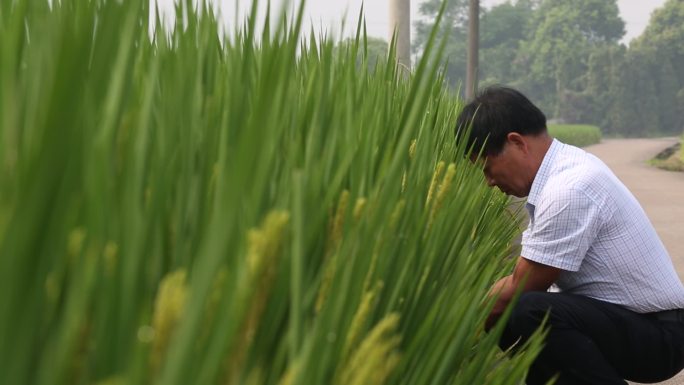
544,171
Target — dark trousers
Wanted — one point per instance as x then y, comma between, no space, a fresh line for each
595,342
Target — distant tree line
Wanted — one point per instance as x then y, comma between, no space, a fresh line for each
568,58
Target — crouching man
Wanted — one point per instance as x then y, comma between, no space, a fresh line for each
619,313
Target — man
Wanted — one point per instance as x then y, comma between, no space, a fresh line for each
618,314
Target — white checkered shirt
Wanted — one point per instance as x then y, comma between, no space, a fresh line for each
584,221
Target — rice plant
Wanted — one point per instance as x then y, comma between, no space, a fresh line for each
186,207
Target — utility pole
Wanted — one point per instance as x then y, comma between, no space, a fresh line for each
400,21
473,48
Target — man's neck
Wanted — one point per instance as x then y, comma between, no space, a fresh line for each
539,146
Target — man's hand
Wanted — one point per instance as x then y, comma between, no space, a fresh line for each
527,276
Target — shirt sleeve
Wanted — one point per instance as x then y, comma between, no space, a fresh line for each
564,226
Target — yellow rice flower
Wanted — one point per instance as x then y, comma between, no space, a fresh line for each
168,310
443,189
264,243
75,242
358,323
375,359
371,269
264,246
214,300
423,279
433,184
328,275
358,208
338,222
404,177
396,214
446,184
290,374
333,244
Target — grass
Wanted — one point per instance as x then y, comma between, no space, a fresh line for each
249,208
670,159
576,134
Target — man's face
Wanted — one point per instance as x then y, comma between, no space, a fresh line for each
505,171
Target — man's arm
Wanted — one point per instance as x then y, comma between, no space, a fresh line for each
536,277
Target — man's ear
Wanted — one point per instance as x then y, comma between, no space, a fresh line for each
518,141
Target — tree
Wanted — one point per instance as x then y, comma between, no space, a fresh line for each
622,116
502,29
377,51
665,33
668,86
455,19
663,43
559,47
566,56
601,81
454,26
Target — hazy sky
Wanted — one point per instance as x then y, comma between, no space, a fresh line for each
328,14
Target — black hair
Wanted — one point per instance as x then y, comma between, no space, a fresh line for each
495,112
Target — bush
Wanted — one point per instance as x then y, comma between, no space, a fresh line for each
246,209
576,134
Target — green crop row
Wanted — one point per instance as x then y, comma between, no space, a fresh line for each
576,134
187,207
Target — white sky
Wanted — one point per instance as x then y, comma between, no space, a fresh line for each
328,14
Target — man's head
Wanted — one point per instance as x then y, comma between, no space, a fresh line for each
511,132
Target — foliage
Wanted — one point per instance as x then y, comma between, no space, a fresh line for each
575,134
454,28
665,32
375,54
377,50
567,58
635,97
247,209
455,18
558,48
646,95
502,28
663,43
669,159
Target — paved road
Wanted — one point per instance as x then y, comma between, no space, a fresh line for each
661,193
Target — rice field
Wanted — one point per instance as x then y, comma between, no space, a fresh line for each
192,207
